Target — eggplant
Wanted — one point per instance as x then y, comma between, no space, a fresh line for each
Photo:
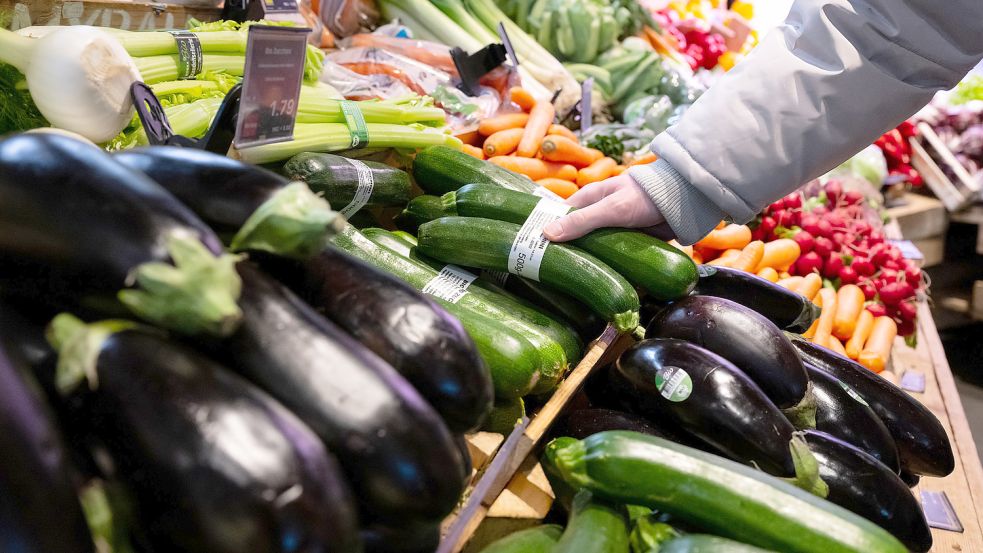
786,309
411,538
423,342
78,228
910,479
748,340
256,208
212,463
586,422
923,446
681,384
843,414
35,474
399,456
862,484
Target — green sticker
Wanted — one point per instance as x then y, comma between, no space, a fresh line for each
853,393
673,383
355,122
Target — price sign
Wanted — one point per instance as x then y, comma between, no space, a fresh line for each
271,85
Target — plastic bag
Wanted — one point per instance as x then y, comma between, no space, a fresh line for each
431,53
347,17
355,86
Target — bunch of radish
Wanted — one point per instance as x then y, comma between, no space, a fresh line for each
842,242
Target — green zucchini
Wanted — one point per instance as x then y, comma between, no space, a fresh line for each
702,543
405,236
517,359
594,527
504,415
724,497
504,306
419,210
645,261
485,243
337,179
538,539
440,169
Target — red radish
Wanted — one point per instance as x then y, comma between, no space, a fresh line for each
848,275
768,225
894,293
863,266
820,210
775,207
907,310
833,265
822,246
757,234
785,218
852,197
893,264
875,238
870,291
877,310
839,238
906,328
879,255
912,274
862,228
793,201
836,221
808,263
833,192
805,241
810,223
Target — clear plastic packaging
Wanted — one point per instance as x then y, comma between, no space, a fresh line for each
347,17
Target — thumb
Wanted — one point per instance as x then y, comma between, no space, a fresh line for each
580,222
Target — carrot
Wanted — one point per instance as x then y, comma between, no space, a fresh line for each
697,258
750,256
535,169
727,258
865,322
783,274
825,328
560,187
779,254
720,225
492,125
560,130
597,171
688,250
789,283
474,151
849,303
521,98
618,169
648,157
540,119
503,142
560,148
595,154
731,236
810,285
472,138
708,254
768,274
878,347
379,68
835,345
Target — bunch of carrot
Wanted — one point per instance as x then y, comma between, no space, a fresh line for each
844,326
530,143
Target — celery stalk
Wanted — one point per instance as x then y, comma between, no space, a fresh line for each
158,43
155,69
432,21
455,10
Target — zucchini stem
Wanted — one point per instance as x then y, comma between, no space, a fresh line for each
294,222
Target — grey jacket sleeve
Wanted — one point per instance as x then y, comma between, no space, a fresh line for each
835,76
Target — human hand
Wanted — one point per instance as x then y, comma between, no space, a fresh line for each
615,202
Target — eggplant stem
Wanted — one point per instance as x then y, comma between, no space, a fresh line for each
194,295
78,345
294,222
803,414
806,468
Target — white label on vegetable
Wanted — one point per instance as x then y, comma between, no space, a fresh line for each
673,383
544,192
366,183
450,284
498,277
853,393
530,244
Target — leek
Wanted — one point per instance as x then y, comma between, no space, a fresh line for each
424,16
335,137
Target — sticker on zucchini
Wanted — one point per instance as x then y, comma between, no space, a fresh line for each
527,250
674,383
450,284
366,183
853,393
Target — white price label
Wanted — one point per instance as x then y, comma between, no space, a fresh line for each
450,284
366,183
544,192
530,244
498,277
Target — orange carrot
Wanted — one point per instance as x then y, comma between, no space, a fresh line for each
865,322
503,142
472,138
697,258
563,171
810,285
768,274
559,148
849,303
789,283
474,151
720,225
648,157
825,328
618,169
521,98
560,187
726,259
779,254
750,256
878,347
560,130
688,250
835,345
707,254
492,125
731,236
595,154
540,119
535,169
783,274
597,171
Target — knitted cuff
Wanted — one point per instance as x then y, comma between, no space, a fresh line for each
690,214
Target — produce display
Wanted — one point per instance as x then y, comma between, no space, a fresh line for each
286,348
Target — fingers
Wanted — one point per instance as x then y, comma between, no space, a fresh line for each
593,193
580,222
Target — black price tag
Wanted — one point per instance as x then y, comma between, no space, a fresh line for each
508,45
939,512
271,85
279,6
586,115
188,54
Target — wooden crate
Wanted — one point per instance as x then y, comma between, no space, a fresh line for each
119,14
954,194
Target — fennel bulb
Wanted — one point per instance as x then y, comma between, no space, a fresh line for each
79,78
